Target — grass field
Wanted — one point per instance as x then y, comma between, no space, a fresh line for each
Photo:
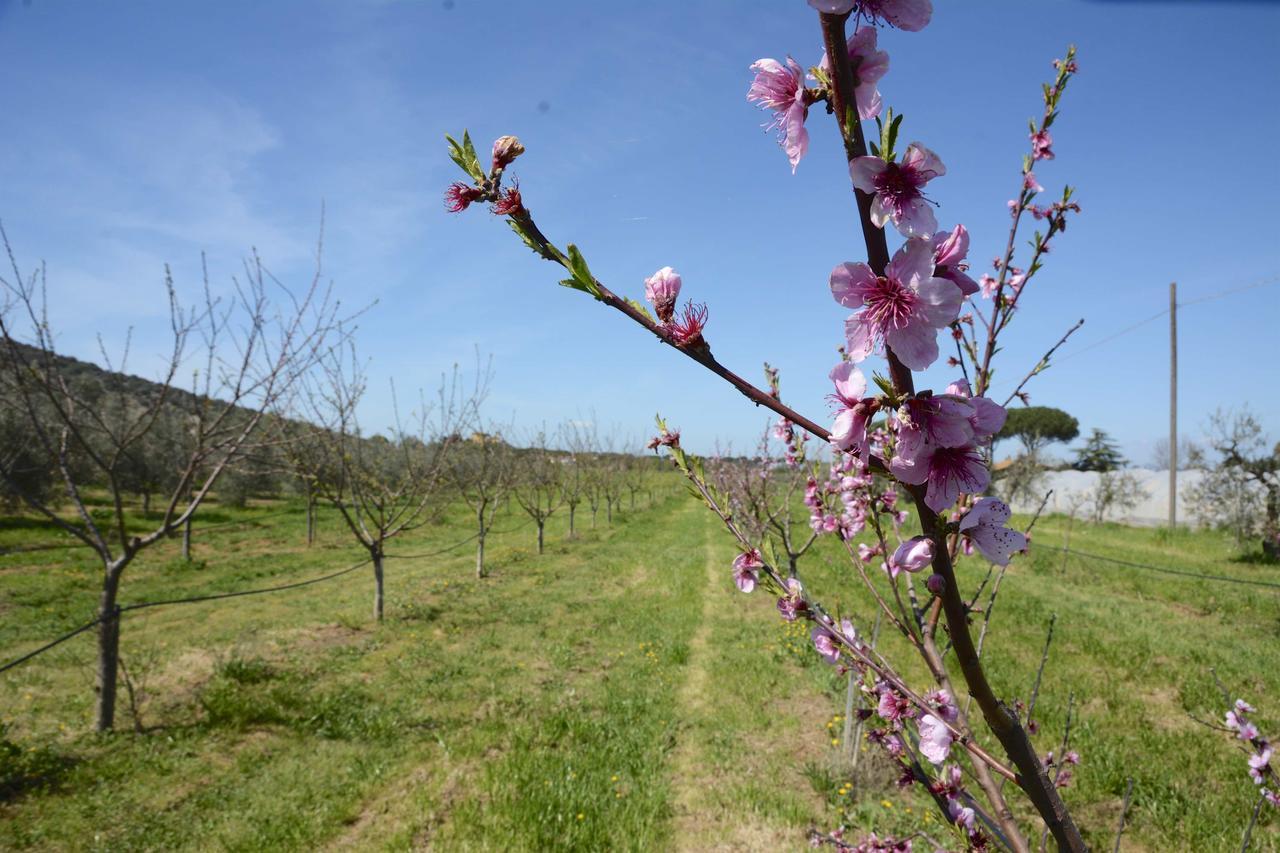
614,693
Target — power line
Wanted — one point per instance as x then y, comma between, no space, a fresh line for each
1221,294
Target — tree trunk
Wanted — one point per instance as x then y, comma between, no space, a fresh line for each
633,500
376,553
186,540
572,509
311,519
541,523
608,511
146,503
108,649
594,511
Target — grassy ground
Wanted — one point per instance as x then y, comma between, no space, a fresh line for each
614,693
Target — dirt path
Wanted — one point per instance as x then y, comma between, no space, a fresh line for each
689,773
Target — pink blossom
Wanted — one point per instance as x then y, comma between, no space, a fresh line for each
780,88
943,704
950,248
662,289
953,470
893,706
909,15
792,603
984,524
963,815
746,568
1244,707
869,65
986,417
849,432
1029,182
867,552
935,739
897,189
904,308
1041,145
925,423
988,285
826,643
914,554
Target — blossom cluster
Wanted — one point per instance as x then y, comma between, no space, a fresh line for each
1259,747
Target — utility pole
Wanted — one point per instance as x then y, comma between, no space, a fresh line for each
1173,405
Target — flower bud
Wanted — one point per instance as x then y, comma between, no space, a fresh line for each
914,554
505,150
662,289
936,584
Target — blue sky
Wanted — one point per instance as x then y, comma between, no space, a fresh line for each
145,133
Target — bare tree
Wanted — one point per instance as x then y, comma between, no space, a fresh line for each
1247,464
574,473
537,484
382,485
482,472
764,493
1191,455
611,468
1115,490
249,352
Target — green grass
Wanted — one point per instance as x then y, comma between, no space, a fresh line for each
615,693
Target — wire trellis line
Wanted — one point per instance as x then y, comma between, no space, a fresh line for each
1167,571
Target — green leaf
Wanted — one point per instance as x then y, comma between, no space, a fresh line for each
639,307
464,155
884,384
469,148
895,122
582,273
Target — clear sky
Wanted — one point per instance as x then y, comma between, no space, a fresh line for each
144,133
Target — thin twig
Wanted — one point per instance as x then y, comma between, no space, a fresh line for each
1248,830
1043,362
1039,510
1124,810
1044,656
1058,765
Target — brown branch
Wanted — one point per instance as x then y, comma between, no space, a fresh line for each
1002,722
702,355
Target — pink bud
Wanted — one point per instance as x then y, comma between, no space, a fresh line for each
914,554
662,289
936,584
505,150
